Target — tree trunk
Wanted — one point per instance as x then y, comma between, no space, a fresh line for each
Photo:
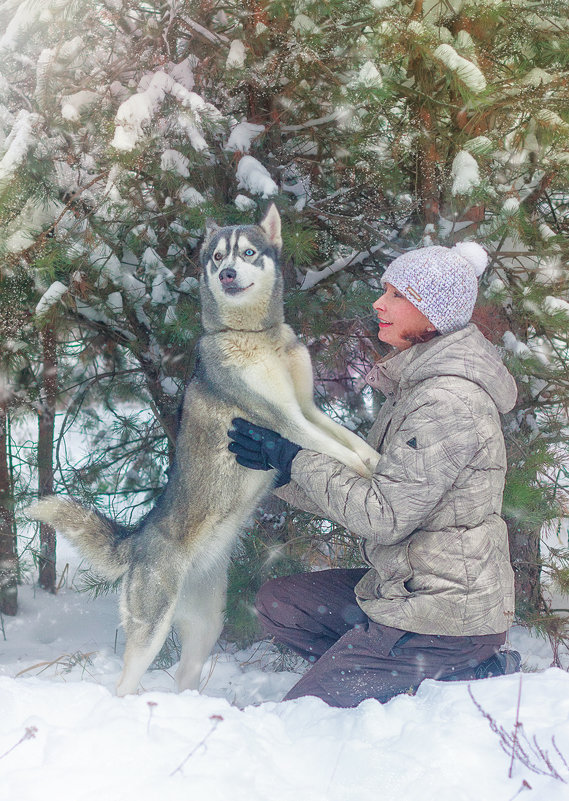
525,559
8,553
45,455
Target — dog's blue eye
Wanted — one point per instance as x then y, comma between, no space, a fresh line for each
249,252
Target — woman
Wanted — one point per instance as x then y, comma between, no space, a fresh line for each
436,598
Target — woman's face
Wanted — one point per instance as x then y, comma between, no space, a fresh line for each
400,323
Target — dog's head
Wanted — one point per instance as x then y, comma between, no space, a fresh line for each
241,282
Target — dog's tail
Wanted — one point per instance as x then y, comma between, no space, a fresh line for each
104,543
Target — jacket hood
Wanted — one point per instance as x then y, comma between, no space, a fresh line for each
465,354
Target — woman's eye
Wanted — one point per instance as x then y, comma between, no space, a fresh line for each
249,252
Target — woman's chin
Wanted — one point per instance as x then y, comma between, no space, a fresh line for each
384,335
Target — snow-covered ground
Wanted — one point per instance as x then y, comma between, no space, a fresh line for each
63,733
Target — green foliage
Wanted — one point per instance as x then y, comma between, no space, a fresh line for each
95,585
255,561
278,545
364,113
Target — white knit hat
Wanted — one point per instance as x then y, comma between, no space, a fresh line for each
440,282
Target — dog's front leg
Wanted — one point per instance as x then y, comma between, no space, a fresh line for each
272,402
300,368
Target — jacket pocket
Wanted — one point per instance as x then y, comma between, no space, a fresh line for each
393,568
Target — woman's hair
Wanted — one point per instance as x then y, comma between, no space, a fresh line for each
417,339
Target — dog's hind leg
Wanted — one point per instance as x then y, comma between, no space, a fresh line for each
148,603
199,621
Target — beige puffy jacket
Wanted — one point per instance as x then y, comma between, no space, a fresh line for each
429,518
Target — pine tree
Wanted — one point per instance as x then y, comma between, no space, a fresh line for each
376,127
401,124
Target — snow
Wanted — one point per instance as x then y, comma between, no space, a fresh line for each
255,178
514,345
50,297
183,72
468,72
138,111
17,144
303,24
236,56
71,49
536,76
115,303
25,15
118,272
62,729
416,27
174,161
313,277
550,119
244,203
368,76
510,206
191,197
242,135
187,124
161,287
36,215
553,305
465,174
170,386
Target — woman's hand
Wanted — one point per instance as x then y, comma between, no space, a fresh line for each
262,449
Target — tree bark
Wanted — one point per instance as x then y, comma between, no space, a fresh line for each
8,552
46,422
525,559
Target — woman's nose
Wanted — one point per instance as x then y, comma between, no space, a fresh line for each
377,305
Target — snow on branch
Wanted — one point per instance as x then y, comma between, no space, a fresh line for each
140,108
312,123
18,142
210,36
25,15
465,173
468,72
119,273
554,305
255,178
236,56
50,297
314,277
242,135
72,105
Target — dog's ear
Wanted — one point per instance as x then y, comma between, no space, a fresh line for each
271,225
210,229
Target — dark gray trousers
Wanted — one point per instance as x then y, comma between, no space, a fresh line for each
353,658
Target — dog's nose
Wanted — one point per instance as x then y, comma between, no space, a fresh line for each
228,275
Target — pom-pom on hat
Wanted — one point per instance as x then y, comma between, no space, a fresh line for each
441,282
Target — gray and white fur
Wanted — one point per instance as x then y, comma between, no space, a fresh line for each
250,364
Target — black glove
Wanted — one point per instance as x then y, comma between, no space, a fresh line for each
262,449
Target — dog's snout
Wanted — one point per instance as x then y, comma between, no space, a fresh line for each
228,275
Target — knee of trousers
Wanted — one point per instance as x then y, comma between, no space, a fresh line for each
271,600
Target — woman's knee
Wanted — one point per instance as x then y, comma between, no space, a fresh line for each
272,598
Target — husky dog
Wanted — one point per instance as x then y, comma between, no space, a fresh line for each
250,365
